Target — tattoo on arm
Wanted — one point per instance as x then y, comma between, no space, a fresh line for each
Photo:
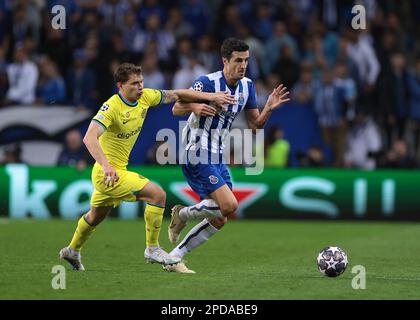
169,96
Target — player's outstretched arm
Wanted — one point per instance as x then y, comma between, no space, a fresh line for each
90,139
257,120
188,95
200,109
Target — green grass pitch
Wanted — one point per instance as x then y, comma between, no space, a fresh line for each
248,259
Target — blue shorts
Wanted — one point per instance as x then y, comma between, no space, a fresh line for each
206,178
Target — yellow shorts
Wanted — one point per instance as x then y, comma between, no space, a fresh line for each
125,189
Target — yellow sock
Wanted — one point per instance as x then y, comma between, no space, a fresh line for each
82,233
153,218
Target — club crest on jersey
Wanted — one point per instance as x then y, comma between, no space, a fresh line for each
213,179
127,115
104,107
241,99
198,86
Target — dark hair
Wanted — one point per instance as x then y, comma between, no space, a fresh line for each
125,70
232,44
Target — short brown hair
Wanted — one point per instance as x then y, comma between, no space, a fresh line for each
125,70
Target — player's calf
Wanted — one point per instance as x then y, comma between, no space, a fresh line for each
207,208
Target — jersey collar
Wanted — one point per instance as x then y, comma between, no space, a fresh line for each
130,104
227,85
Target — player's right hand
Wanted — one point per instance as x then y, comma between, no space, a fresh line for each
110,175
202,109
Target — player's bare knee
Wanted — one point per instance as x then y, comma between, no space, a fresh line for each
229,207
218,223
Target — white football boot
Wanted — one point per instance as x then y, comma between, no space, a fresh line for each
158,255
179,267
73,257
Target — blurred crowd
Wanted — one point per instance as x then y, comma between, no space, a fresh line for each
363,85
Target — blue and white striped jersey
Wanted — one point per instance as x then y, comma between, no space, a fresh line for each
209,133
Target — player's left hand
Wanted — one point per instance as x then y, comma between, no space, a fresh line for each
279,96
222,98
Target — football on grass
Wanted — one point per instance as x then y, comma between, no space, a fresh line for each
332,261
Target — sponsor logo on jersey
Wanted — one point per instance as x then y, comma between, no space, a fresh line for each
225,114
127,135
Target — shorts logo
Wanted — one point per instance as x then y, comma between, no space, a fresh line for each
198,86
213,179
104,107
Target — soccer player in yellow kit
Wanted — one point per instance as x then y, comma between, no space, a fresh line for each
110,138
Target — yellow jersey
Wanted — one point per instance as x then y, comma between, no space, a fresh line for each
123,122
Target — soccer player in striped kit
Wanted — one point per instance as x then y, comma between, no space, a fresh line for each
110,138
206,129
